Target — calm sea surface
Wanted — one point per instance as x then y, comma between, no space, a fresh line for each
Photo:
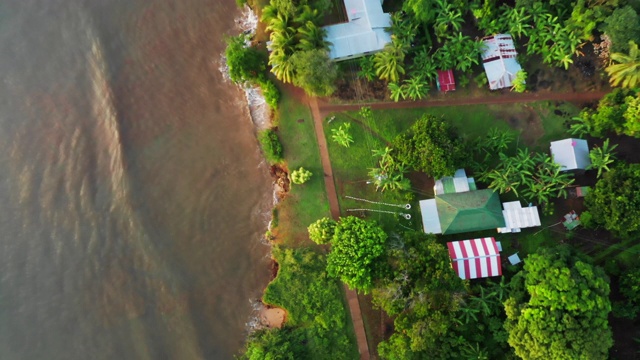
132,192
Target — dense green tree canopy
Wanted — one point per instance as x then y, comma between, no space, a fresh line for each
617,112
615,201
356,253
246,63
315,73
424,294
558,308
622,26
276,344
321,231
431,146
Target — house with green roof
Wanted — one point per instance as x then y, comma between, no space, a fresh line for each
454,213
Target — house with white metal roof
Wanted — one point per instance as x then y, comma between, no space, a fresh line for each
364,33
571,154
499,61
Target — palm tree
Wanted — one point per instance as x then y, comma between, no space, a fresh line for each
602,157
312,37
397,91
341,135
627,72
424,64
416,87
581,126
518,20
281,66
308,14
367,68
390,61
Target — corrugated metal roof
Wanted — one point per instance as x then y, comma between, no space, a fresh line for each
571,154
517,217
475,258
364,33
446,82
499,61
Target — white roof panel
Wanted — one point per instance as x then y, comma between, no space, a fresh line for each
571,154
430,217
363,34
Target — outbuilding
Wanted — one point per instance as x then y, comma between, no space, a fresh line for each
475,258
499,61
571,154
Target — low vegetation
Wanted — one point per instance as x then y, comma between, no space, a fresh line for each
317,322
271,146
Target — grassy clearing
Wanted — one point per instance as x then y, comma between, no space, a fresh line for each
307,202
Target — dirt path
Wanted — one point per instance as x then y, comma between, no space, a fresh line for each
510,98
320,109
352,297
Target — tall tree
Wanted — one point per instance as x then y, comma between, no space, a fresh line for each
356,253
246,63
423,293
558,308
315,73
601,157
389,62
622,26
431,146
615,201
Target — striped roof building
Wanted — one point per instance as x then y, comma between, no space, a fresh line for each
475,258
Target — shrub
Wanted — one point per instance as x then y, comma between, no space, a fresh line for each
300,176
270,92
271,146
321,231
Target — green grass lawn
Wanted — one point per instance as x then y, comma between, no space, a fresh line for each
308,202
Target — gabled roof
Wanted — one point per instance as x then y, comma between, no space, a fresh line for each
458,183
364,33
571,154
469,211
499,61
475,258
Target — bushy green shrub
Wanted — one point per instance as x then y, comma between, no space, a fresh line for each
301,175
271,146
321,231
270,92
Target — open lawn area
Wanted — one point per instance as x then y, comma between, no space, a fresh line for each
308,202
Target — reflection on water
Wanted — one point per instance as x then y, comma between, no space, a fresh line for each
133,196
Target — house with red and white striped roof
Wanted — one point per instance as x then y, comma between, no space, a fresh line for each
475,258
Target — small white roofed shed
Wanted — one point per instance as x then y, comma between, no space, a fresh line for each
499,61
363,34
571,154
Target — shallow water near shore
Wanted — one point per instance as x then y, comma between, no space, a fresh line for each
133,193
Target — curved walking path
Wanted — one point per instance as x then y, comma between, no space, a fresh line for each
319,109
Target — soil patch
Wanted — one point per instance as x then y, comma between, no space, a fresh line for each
280,177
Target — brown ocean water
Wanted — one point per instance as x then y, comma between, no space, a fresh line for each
133,196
